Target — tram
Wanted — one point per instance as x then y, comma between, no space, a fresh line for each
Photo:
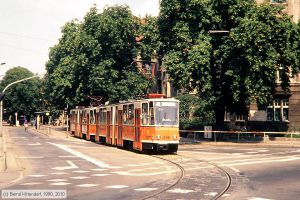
150,124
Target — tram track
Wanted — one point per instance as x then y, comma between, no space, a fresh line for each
170,186
227,175
182,175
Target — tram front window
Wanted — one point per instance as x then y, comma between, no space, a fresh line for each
166,113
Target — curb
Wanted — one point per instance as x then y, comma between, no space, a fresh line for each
241,144
10,156
3,159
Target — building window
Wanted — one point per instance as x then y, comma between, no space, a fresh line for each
278,1
227,116
278,110
240,118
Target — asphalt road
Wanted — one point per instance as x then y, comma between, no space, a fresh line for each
86,170
261,173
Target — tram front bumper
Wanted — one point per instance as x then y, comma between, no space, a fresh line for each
161,146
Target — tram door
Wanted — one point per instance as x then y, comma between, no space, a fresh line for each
113,123
108,140
137,123
120,121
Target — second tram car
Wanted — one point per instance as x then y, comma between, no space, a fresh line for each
142,125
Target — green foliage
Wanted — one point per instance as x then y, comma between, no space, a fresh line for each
148,34
228,70
23,98
93,58
194,112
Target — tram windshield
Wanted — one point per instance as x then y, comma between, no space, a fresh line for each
166,113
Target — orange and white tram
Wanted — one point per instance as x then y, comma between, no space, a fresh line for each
146,124
91,123
76,121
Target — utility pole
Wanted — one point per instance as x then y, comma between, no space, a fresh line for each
1,99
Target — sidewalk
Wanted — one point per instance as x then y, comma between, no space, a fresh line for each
270,143
10,170
52,131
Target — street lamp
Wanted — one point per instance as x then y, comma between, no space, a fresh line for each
218,31
2,96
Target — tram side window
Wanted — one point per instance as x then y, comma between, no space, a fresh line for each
131,114
145,116
125,114
102,117
116,115
92,117
151,113
84,117
72,116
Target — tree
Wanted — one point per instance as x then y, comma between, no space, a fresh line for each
228,71
24,97
93,58
194,113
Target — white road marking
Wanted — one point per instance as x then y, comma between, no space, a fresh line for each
262,161
34,144
255,159
71,166
181,191
59,173
251,152
37,175
144,169
79,177
72,146
19,137
32,183
136,170
116,186
235,169
100,174
132,165
115,167
57,180
257,198
145,189
80,171
192,163
67,156
263,150
126,173
211,194
60,183
236,163
159,162
31,157
87,185
99,169
87,158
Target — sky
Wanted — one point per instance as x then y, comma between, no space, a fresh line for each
28,28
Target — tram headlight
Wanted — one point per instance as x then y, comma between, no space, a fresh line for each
174,137
158,137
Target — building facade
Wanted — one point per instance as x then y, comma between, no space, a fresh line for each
283,114
292,7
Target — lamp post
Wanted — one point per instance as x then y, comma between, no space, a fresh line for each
2,96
